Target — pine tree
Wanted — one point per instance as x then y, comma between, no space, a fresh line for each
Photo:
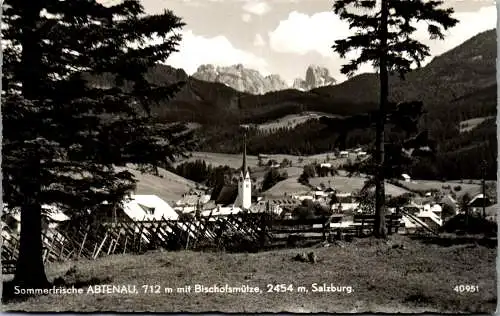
383,35
64,135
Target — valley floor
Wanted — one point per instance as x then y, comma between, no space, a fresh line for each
420,277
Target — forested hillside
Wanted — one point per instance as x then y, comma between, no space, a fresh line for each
456,86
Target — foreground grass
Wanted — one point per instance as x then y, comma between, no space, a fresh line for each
418,278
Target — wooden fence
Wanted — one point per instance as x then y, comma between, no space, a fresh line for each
236,232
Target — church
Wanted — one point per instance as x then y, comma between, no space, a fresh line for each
240,194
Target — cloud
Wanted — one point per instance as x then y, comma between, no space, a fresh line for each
246,17
301,34
471,23
259,40
257,7
195,50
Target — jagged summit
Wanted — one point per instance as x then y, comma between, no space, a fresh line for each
251,81
316,77
240,78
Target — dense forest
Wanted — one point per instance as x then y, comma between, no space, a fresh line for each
459,153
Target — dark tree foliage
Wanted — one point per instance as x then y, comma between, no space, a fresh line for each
197,171
384,37
62,137
200,172
272,177
310,209
309,171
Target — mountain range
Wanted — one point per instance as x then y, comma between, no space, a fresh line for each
455,86
464,73
251,81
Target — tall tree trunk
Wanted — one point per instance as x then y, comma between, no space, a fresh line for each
30,270
380,229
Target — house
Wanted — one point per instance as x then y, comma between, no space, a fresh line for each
344,154
477,202
433,207
491,212
330,191
269,206
326,165
148,207
345,202
221,211
421,216
52,217
305,197
361,154
406,177
319,194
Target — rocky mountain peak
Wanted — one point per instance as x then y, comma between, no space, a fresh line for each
316,76
240,78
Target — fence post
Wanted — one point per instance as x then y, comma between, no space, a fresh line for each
102,244
362,226
83,243
125,246
390,224
324,228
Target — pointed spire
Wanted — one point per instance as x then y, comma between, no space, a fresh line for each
244,166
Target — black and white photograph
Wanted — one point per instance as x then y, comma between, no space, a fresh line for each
249,156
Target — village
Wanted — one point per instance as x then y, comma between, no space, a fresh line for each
249,156
316,212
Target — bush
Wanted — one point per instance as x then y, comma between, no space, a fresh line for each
308,172
457,188
470,225
272,177
310,209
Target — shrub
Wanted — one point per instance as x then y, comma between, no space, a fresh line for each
272,177
470,225
457,188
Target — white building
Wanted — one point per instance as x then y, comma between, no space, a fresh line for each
219,210
406,177
148,207
346,202
427,215
244,199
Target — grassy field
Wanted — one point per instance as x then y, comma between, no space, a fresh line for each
170,187
423,185
417,278
469,125
234,160
292,120
288,186
350,184
341,183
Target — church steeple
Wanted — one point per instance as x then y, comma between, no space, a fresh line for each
245,182
244,166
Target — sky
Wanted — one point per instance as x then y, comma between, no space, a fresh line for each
286,36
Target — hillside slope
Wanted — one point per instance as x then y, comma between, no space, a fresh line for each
168,186
462,70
